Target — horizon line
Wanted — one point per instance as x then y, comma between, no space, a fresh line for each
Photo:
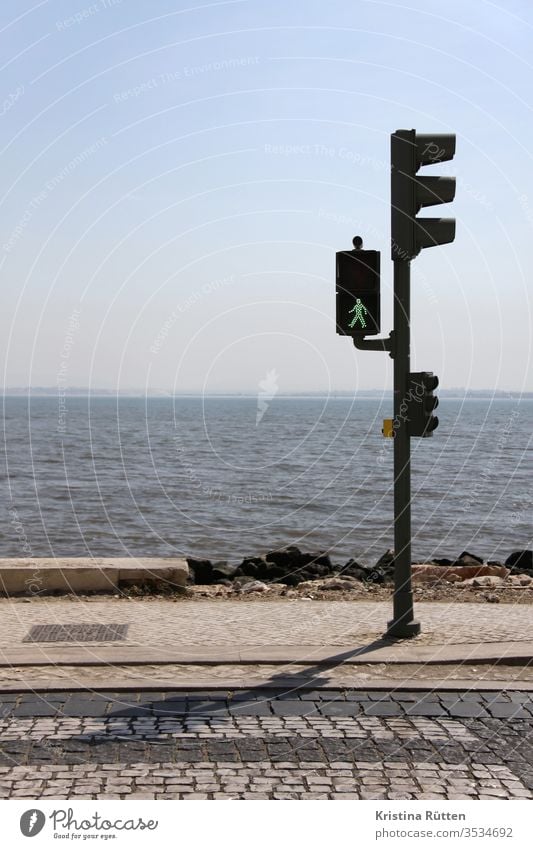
249,393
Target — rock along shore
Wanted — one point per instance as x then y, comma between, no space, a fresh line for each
293,567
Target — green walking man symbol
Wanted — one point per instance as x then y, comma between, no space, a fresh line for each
358,309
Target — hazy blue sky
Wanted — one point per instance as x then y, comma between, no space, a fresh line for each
175,183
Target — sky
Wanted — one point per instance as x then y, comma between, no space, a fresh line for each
177,178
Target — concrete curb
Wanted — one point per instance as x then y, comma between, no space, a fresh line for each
290,683
39,654
34,576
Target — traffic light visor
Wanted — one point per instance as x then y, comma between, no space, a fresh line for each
433,148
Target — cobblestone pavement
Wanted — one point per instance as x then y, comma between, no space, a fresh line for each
285,623
172,674
327,744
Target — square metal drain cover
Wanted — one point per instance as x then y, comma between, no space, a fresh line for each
79,633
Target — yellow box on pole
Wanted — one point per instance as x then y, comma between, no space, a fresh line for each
388,427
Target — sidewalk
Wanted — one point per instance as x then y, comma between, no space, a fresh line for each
241,641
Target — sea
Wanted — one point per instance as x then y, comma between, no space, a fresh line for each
228,477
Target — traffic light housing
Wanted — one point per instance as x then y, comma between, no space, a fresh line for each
409,193
421,403
358,292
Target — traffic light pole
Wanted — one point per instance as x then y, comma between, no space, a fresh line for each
403,623
409,235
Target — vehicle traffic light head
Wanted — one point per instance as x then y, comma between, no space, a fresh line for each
358,292
421,403
409,193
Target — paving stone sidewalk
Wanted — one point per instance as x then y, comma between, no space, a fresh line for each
182,623
291,744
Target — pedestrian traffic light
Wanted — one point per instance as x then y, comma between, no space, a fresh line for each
421,402
358,292
409,193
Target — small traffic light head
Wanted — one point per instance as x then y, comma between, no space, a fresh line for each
421,403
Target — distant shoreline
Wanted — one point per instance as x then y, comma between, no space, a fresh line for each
371,394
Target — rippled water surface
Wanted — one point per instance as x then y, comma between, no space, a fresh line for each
205,477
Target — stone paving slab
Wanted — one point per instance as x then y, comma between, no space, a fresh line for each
259,744
280,702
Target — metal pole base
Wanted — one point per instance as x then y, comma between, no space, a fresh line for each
398,630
